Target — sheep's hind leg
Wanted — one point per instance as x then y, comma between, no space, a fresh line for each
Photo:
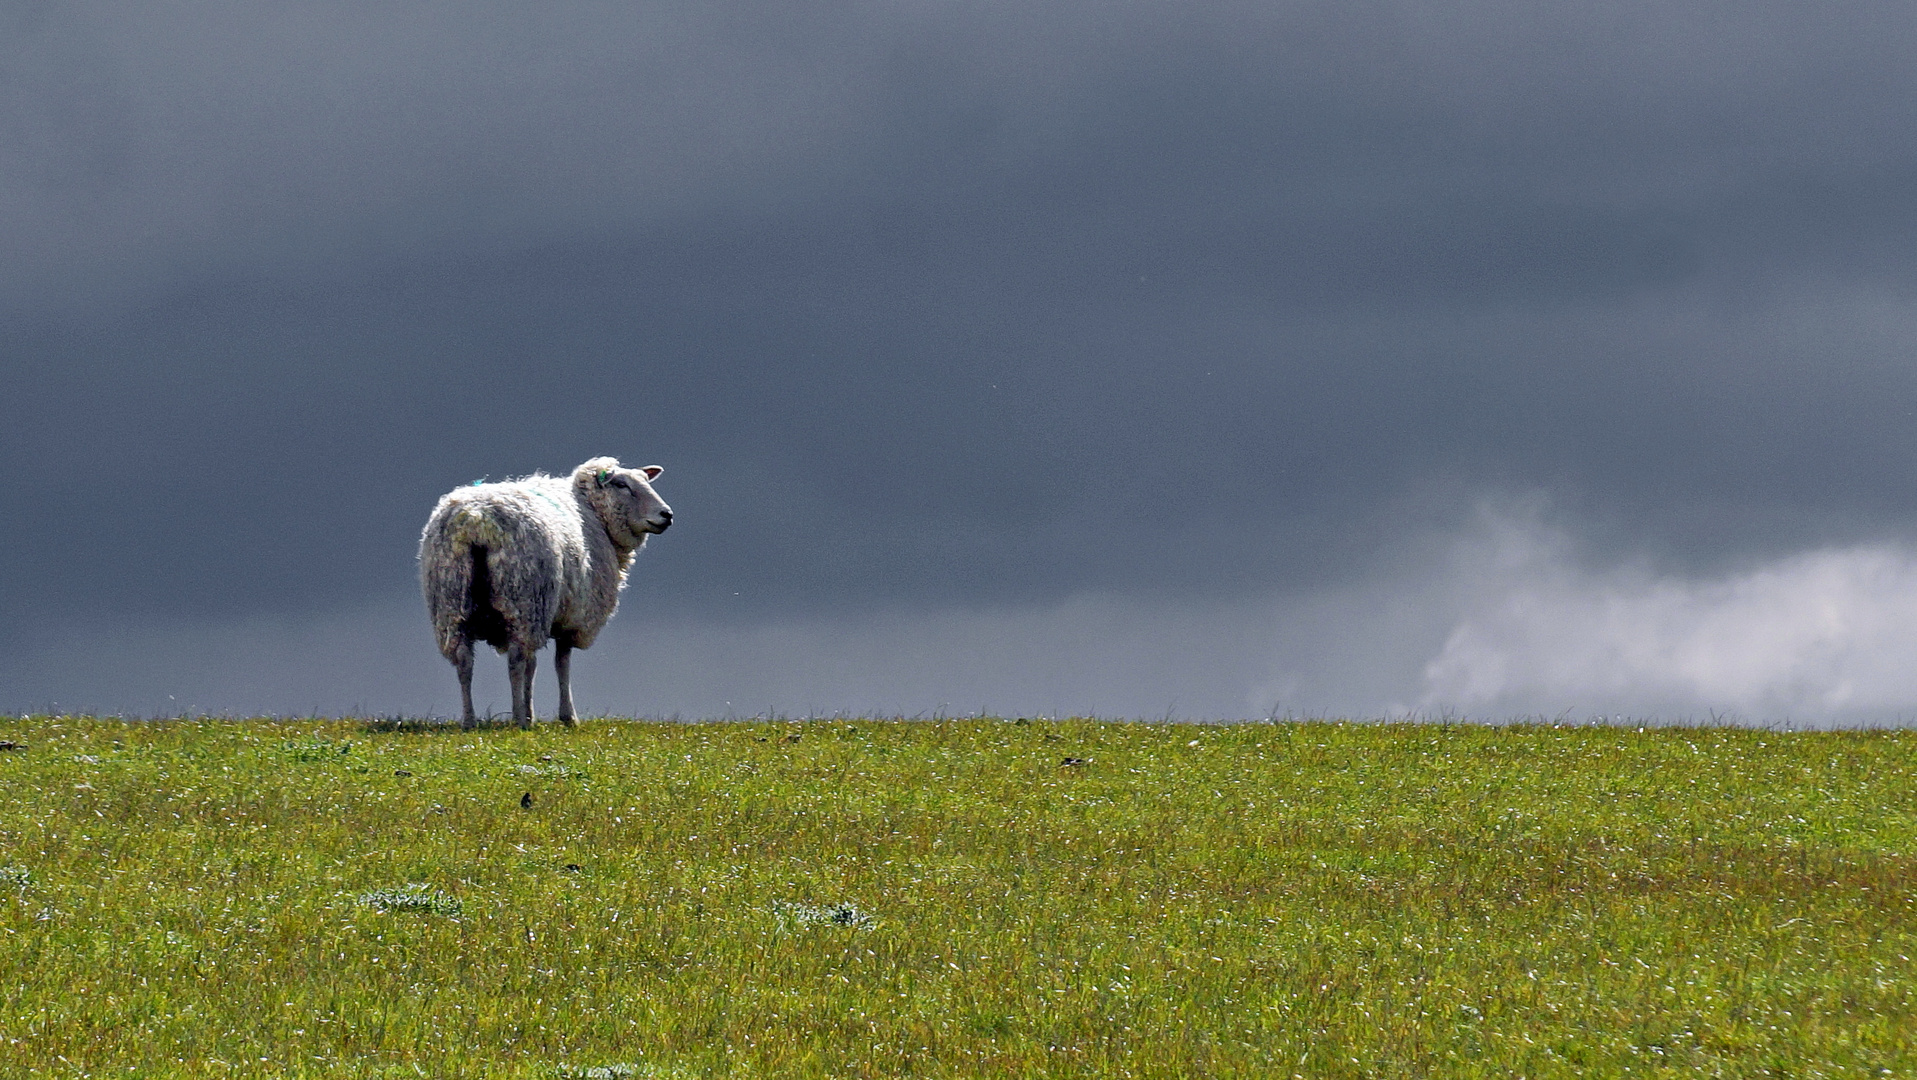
562,667
463,663
520,662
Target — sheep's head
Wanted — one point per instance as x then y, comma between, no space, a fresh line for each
624,499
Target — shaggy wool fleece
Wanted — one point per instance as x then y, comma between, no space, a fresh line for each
541,558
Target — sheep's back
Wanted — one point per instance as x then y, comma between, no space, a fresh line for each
534,543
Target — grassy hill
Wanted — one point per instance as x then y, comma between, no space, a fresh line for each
964,898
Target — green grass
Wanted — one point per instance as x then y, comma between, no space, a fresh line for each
867,899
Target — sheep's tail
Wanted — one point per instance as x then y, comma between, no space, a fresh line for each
483,620
456,575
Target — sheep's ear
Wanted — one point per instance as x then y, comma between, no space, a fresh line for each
652,472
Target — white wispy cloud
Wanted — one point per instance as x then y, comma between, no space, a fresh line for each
1825,635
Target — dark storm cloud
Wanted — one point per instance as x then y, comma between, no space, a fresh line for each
942,303
1331,143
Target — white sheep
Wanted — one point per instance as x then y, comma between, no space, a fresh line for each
516,563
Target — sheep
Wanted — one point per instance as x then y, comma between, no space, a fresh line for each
543,557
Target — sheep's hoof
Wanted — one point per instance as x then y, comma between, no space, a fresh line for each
566,720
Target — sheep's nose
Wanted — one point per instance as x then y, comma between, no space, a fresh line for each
665,518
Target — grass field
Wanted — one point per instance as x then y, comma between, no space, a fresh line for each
880,899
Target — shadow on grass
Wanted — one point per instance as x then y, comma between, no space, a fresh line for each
434,725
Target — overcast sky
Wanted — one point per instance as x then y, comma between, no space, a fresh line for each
1203,359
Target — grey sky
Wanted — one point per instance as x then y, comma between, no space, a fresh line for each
948,316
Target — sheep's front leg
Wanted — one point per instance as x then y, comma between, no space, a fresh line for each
562,666
520,662
463,663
